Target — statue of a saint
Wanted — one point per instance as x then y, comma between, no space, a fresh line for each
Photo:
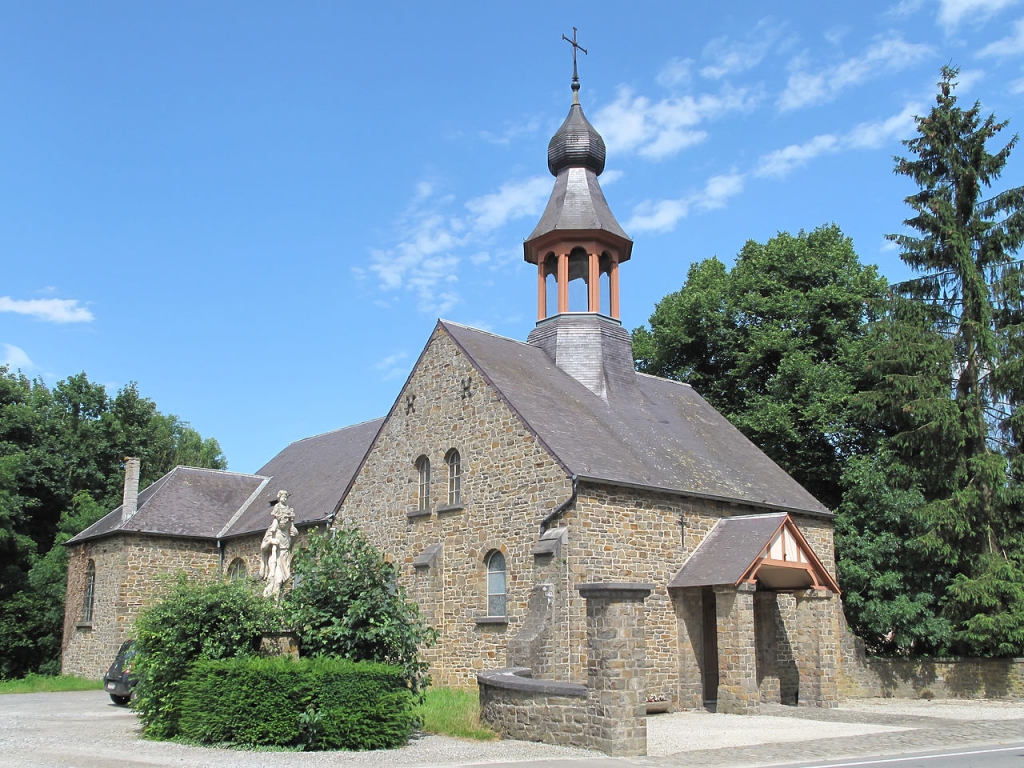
276,549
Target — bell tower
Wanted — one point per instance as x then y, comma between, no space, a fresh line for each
578,247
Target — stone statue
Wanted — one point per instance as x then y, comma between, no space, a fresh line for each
276,549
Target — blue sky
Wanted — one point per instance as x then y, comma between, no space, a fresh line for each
258,210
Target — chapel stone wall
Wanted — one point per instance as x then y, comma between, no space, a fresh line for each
509,484
130,571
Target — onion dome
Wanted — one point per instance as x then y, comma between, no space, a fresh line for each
576,143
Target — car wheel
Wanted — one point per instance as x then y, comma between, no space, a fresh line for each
121,701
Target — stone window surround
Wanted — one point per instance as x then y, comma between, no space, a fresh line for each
495,564
237,569
453,461
88,595
422,465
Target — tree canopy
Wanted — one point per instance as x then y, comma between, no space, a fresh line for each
61,469
777,345
947,364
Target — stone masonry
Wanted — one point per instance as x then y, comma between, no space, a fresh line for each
737,658
509,484
130,571
610,712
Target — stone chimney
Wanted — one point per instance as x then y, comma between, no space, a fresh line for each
130,502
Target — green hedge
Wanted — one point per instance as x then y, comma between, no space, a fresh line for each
321,703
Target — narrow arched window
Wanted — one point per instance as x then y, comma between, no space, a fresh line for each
495,584
237,569
89,596
423,491
454,462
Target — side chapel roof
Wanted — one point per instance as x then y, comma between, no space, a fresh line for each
207,503
668,439
187,501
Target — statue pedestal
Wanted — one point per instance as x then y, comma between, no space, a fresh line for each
280,644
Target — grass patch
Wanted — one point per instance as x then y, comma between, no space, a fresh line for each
453,712
33,683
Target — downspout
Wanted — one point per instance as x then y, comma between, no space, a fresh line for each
557,511
220,558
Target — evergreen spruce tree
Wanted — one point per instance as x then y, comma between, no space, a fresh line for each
950,372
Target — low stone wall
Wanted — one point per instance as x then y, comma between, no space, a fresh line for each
519,707
609,713
937,678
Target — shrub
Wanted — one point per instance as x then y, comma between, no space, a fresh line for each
346,602
322,703
195,621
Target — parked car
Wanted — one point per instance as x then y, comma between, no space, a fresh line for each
119,681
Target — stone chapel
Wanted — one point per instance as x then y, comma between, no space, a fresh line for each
509,472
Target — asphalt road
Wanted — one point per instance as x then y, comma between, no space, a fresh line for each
84,730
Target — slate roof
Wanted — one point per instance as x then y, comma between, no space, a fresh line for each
577,203
206,503
728,550
668,439
315,471
186,502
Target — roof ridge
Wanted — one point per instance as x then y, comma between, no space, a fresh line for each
208,469
662,378
339,429
489,333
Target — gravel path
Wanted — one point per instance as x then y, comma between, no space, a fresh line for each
83,730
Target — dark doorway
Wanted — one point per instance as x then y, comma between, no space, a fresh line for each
709,622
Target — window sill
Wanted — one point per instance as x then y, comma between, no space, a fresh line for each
414,514
83,625
491,620
441,508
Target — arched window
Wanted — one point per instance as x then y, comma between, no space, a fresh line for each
89,596
423,491
454,462
579,280
495,584
237,569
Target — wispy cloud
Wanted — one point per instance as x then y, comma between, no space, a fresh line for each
434,239
676,72
888,54
662,215
869,135
512,201
658,130
512,131
1012,45
393,366
729,57
49,310
953,12
15,358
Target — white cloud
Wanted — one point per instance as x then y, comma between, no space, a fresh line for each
512,201
433,242
870,135
50,310
781,161
676,72
877,134
512,131
16,358
610,176
662,215
952,12
661,129
729,57
1017,86
885,55
1011,45
392,366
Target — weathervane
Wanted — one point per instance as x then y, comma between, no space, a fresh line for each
575,76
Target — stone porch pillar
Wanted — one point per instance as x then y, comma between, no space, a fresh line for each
737,655
616,666
689,608
815,649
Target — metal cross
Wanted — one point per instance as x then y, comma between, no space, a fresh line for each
575,47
